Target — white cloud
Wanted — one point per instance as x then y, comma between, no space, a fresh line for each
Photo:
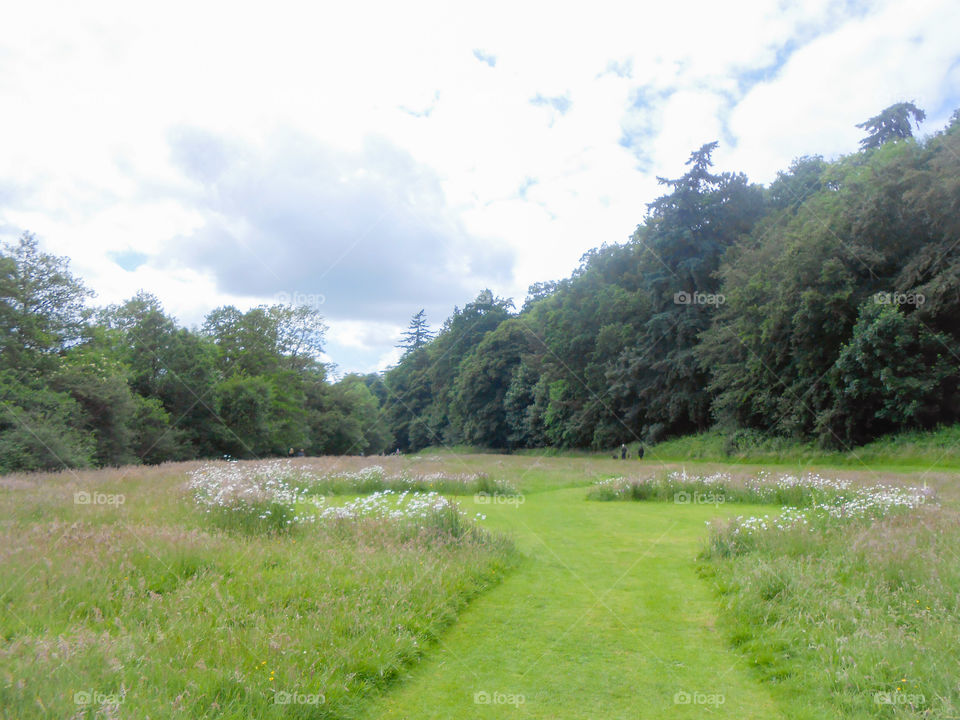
135,130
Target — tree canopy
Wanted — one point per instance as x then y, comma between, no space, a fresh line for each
822,307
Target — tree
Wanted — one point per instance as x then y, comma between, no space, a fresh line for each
172,365
345,419
265,339
681,243
482,382
891,124
40,429
893,374
41,306
417,333
247,420
109,407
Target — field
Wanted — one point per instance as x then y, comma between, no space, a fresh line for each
469,586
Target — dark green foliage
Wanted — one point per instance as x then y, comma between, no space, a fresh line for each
128,385
882,222
109,406
40,429
826,306
892,124
482,383
894,374
421,390
731,304
346,419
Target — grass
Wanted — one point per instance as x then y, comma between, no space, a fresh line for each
605,617
375,478
908,450
852,621
147,608
395,605
847,597
830,497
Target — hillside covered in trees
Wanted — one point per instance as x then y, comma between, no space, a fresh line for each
826,305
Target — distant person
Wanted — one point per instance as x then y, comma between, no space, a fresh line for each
623,451
290,454
640,453
301,453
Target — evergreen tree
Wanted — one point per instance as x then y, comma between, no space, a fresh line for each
891,124
417,333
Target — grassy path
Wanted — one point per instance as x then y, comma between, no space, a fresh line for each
606,618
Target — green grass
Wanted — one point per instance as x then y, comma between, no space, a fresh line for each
854,621
606,617
907,451
155,612
447,483
922,450
604,609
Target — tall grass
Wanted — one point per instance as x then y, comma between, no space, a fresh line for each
799,491
922,448
857,619
375,478
148,608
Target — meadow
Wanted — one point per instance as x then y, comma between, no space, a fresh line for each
448,585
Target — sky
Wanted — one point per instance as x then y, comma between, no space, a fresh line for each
374,158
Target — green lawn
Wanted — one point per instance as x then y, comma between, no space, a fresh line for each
606,617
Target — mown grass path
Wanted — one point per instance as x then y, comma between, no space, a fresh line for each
605,618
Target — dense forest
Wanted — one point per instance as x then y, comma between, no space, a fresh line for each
126,384
825,306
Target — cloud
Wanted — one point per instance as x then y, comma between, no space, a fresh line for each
358,346
370,231
408,162
842,78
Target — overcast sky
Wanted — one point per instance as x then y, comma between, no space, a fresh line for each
379,158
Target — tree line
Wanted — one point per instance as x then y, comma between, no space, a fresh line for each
823,306
126,384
